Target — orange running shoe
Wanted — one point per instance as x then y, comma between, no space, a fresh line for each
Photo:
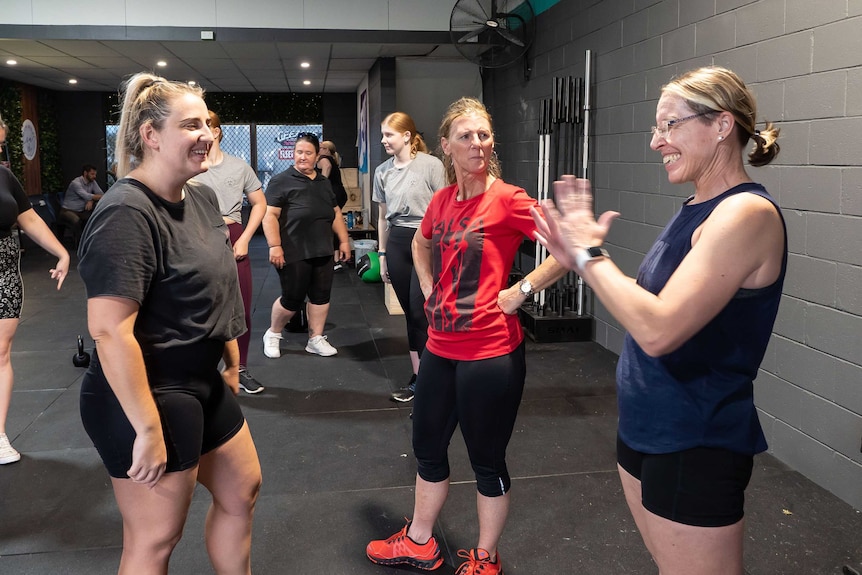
401,549
478,562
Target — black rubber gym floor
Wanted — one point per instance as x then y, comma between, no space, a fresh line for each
337,463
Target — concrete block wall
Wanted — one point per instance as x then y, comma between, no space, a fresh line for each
803,60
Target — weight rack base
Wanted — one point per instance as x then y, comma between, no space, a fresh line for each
552,328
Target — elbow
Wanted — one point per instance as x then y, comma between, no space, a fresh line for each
659,344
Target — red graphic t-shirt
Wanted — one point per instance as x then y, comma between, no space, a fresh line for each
473,246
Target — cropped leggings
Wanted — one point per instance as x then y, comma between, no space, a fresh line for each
399,262
482,396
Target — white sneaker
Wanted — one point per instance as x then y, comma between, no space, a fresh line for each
320,346
7,452
272,344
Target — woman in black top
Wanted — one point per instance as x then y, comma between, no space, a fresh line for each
164,308
15,209
301,216
329,164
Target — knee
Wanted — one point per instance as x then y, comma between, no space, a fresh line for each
290,305
241,501
433,470
492,481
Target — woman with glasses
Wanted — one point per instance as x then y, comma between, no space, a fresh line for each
301,215
698,319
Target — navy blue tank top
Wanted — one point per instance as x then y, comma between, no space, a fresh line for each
700,395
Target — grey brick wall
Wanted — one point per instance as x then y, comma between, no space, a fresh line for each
803,59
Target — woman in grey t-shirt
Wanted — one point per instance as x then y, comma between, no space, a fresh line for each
403,186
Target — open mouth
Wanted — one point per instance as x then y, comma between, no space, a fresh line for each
670,158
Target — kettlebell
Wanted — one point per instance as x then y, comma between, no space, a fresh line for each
82,358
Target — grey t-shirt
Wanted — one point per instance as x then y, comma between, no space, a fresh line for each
229,180
406,191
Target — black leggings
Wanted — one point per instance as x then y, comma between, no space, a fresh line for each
481,396
399,262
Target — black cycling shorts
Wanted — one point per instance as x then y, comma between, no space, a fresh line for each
198,410
702,486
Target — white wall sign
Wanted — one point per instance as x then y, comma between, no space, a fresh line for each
28,139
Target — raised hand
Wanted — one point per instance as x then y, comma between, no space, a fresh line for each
567,225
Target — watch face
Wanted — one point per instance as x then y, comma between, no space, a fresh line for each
526,287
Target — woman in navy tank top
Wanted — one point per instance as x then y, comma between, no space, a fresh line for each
698,319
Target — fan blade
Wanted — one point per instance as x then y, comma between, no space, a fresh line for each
462,6
471,35
509,37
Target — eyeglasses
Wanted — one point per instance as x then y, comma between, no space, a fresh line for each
663,129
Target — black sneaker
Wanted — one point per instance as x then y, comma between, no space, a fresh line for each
247,383
405,394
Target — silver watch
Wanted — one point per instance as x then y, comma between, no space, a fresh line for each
525,287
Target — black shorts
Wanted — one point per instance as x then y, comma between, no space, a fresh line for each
702,486
198,410
311,277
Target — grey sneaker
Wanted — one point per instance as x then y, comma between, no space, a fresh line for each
272,344
247,383
319,345
405,394
7,452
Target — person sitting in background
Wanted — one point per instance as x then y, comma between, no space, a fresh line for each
81,196
230,178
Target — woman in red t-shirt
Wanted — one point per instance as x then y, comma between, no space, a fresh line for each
473,369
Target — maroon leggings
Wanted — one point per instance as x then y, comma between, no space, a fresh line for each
243,270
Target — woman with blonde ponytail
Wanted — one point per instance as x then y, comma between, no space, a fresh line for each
164,308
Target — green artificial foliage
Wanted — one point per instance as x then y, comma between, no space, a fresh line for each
48,137
49,143
11,111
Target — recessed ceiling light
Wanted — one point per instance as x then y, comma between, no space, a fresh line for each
11,62
305,65
306,82
161,63
192,83
73,81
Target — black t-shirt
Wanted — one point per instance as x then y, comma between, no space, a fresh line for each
13,201
307,212
334,178
174,259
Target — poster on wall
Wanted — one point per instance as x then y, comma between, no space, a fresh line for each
363,132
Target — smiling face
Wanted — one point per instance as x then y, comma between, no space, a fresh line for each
393,141
688,149
184,139
304,157
470,144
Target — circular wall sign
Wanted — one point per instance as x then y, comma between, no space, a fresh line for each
28,139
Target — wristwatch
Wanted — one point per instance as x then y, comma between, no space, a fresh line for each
525,287
586,256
